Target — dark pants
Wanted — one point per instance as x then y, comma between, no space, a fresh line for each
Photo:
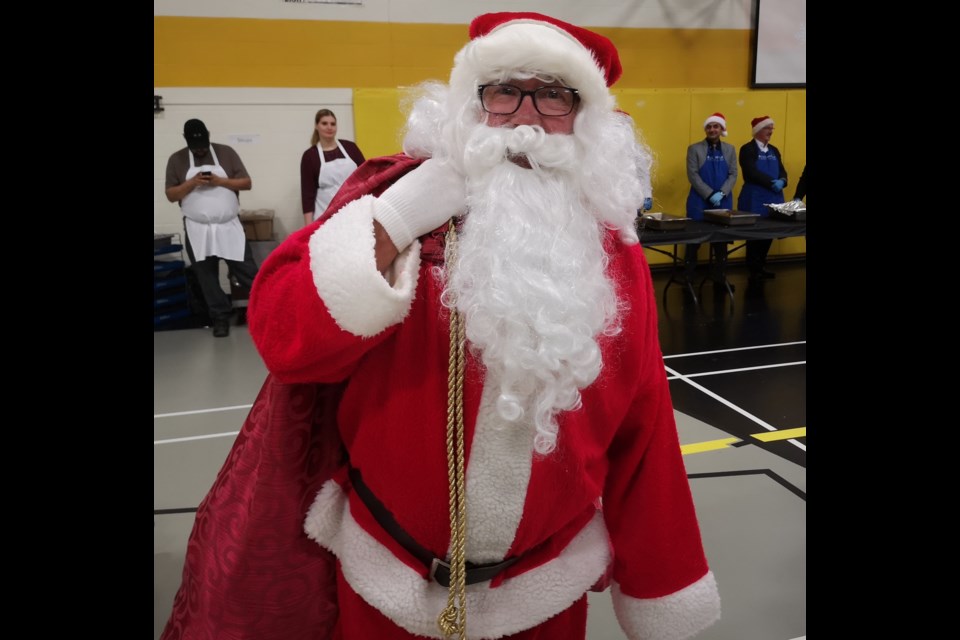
757,254
208,276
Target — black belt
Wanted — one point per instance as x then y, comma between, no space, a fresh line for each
439,569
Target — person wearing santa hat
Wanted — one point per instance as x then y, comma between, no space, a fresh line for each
764,178
712,173
472,323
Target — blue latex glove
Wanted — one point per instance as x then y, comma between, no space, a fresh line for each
647,204
778,185
716,199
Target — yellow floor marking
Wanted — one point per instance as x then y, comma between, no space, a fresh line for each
782,434
766,436
710,445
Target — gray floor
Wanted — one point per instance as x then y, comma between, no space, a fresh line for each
754,526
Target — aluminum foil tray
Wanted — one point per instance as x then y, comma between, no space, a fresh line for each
792,211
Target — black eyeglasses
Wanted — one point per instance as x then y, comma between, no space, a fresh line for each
504,99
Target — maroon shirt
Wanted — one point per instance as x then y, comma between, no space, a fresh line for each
310,170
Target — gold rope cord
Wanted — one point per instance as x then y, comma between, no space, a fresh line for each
453,619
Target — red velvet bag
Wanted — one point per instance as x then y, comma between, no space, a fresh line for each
250,571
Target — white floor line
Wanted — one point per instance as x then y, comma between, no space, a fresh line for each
763,366
762,346
191,413
742,412
209,435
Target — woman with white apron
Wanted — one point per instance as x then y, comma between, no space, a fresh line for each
320,179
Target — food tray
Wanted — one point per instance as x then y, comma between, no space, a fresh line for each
792,216
730,217
663,222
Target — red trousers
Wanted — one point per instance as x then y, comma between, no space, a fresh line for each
359,621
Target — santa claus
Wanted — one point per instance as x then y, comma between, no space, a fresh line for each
474,321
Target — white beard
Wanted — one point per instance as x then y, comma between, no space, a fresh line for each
530,275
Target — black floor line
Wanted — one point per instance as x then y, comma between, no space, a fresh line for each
753,472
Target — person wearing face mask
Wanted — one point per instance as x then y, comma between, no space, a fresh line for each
325,165
764,179
712,173
206,180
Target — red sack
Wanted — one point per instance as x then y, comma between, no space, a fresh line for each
250,571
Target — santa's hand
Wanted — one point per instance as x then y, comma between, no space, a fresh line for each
421,201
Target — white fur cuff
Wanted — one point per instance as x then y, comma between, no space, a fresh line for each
345,272
676,616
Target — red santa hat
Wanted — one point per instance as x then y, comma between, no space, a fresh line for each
719,119
501,43
761,123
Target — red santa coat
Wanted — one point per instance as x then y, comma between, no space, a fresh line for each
321,313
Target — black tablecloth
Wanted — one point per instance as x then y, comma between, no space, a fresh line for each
700,231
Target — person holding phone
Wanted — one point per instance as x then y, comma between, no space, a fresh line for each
206,180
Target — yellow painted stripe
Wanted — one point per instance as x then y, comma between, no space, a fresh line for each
782,434
710,445
766,436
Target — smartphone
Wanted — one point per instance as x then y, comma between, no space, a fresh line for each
205,173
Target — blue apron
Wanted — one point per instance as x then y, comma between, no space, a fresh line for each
753,196
714,172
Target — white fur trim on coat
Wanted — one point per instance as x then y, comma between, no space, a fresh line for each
344,267
677,616
414,603
533,47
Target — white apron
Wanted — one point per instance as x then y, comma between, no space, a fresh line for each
211,213
332,175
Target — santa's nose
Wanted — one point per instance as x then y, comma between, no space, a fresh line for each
526,113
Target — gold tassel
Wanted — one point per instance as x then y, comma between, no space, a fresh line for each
453,619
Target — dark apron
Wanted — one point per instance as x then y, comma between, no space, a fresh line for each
714,172
753,196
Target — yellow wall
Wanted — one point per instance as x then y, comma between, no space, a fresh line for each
244,52
661,69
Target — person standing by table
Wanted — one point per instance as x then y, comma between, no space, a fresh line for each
801,191
764,179
712,172
325,165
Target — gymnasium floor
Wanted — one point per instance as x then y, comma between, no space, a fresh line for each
738,380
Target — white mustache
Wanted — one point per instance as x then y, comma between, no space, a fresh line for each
489,146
